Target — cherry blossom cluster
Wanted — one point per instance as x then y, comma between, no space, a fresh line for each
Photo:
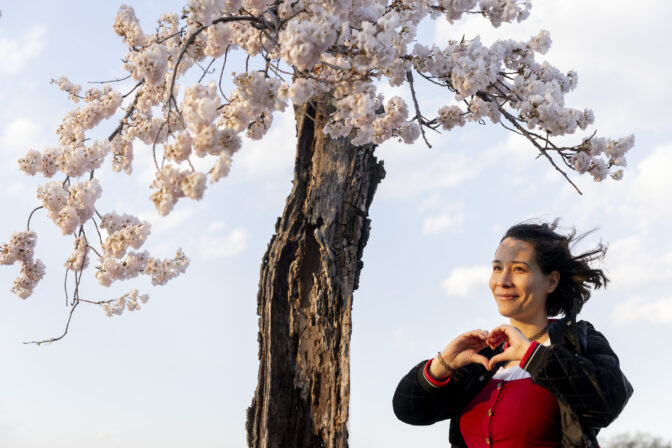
79,259
124,232
600,154
129,301
69,206
20,248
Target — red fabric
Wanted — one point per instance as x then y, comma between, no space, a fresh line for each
512,414
528,353
429,378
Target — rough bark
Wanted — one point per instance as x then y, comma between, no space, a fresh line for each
308,276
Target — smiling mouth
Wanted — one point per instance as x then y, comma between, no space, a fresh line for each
505,297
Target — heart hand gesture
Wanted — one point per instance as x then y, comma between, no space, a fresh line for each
516,348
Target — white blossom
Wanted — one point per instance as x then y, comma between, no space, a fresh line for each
124,232
126,25
66,85
79,259
31,273
150,64
193,185
180,148
301,90
451,116
31,162
163,270
199,105
20,248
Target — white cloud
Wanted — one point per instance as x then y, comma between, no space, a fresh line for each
20,135
213,247
651,185
216,226
641,199
15,189
14,54
638,309
162,224
635,263
464,281
412,170
437,224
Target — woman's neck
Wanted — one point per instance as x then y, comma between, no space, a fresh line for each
531,327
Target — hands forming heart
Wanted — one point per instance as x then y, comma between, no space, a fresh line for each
464,349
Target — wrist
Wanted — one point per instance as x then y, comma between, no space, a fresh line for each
444,363
438,368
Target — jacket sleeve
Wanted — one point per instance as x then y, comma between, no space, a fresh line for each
590,383
418,402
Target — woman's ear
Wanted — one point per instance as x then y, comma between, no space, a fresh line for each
553,279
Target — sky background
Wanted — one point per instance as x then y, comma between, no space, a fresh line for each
182,371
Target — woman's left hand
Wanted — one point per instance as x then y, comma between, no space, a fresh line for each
517,344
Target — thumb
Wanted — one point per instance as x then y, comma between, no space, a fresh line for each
495,360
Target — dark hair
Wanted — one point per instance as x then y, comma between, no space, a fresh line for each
552,253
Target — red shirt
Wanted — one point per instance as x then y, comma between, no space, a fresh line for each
512,414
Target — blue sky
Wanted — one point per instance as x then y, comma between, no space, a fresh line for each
182,371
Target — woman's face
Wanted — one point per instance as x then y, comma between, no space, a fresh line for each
517,282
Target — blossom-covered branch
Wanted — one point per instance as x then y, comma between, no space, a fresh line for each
335,52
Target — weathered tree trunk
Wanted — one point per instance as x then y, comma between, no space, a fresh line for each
308,276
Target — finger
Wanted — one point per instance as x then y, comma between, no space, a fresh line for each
480,359
478,334
503,329
506,355
496,343
495,339
495,360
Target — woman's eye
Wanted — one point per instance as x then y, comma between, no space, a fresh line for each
496,268
519,269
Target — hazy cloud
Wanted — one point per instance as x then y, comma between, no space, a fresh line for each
20,135
465,281
14,54
437,224
638,309
216,246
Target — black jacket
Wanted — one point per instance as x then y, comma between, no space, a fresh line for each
579,369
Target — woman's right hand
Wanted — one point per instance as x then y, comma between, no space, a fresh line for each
459,352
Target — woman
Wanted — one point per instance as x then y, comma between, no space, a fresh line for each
536,382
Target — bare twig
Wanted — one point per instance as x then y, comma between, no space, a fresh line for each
418,116
123,121
65,286
67,326
515,123
110,81
221,73
206,70
133,89
95,224
31,215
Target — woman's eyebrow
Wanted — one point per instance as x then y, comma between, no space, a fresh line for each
512,262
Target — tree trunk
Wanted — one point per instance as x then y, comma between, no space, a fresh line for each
308,276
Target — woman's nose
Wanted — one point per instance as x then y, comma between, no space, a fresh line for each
504,278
